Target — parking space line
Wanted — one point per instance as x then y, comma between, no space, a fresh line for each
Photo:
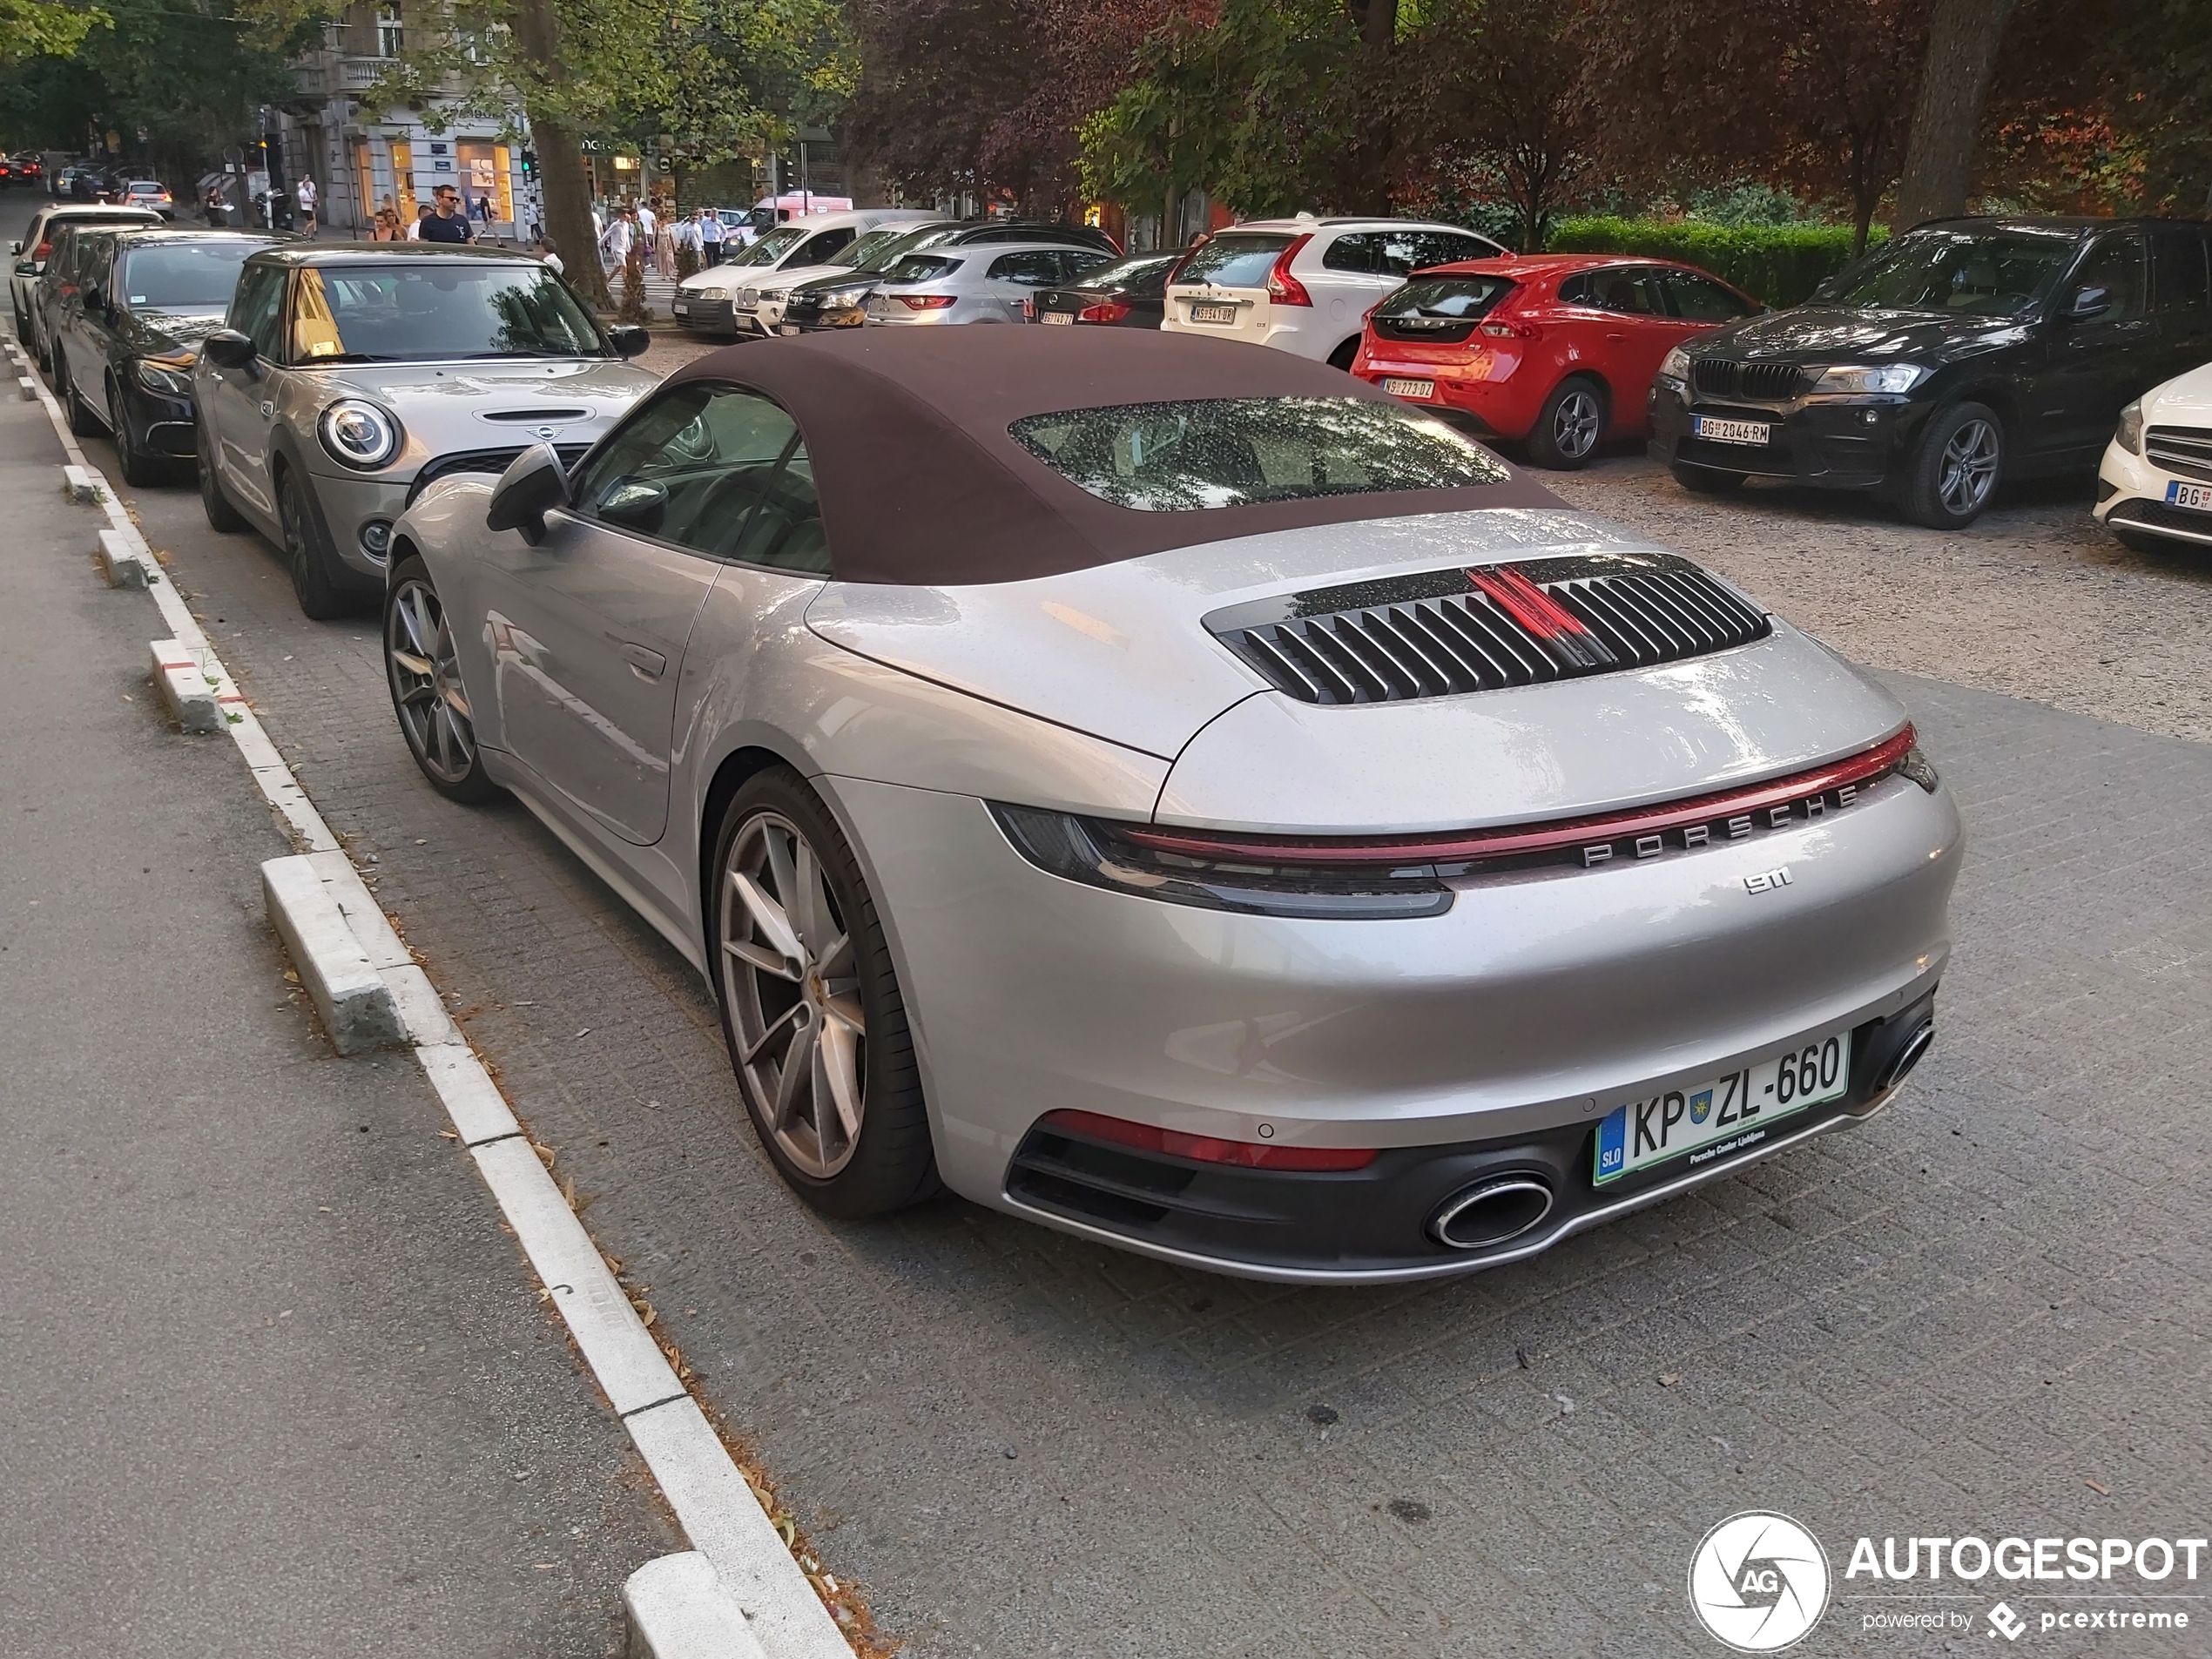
714,1501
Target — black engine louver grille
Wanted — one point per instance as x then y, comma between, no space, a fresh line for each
1444,632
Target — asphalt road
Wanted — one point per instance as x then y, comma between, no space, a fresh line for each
1986,1312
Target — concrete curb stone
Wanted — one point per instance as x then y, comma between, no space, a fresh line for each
356,1005
677,1610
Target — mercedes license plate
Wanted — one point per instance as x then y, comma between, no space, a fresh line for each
1706,426
1399,386
1213,313
1724,1116
2198,497
1060,316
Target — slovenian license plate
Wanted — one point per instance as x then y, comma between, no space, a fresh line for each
2198,497
1399,386
1213,313
1060,316
1724,1116
1719,431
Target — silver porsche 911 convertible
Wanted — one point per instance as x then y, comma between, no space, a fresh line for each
1168,791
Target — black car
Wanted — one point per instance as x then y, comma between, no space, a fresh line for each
1962,353
837,301
125,335
1129,293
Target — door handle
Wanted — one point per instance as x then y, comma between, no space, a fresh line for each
645,664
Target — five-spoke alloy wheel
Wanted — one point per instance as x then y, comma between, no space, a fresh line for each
427,691
1566,432
811,1006
1961,460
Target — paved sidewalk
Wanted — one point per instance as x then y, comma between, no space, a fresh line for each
275,1382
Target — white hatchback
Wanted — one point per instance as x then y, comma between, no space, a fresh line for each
2155,484
1305,285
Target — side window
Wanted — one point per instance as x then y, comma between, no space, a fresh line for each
821,247
2116,265
1697,300
1629,290
1578,290
690,468
1446,248
786,529
1036,269
1356,251
2177,271
255,303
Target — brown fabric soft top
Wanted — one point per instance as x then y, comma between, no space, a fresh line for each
922,485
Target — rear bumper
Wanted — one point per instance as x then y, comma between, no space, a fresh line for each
1484,407
1834,443
1509,1026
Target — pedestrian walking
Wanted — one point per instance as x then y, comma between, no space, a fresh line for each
215,208
449,223
616,241
306,196
709,237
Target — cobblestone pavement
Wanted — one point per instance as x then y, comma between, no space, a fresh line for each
1952,1320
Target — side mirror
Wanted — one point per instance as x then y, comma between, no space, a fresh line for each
227,348
635,503
534,483
628,340
14,250
2087,302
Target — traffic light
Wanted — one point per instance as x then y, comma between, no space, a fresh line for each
529,164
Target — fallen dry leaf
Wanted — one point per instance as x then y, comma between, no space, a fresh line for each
2098,1486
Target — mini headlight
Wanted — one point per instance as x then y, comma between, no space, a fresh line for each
171,380
1675,365
2129,433
1858,378
359,433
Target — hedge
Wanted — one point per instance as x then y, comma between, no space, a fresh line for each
1778,264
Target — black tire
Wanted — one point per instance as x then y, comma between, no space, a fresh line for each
1571,426
81,422
140,467
220,514
324,592
1342,356
1705,481
422,671
890,1162
1953,475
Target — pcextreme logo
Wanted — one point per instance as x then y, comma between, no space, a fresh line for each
1758,1583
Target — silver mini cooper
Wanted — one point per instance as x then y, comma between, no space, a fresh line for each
350,376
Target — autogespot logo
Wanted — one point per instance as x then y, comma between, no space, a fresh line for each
1759,1582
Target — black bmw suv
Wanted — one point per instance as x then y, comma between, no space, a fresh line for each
1962,353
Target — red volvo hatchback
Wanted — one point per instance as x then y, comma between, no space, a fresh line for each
1556,348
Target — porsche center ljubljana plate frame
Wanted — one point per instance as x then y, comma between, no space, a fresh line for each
1727,1116
1720,431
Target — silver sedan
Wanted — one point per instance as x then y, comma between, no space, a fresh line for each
1171,792
994,282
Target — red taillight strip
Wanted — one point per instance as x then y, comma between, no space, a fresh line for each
1251,1155
1526,602
1860,768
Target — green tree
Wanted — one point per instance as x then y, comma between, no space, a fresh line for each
32,29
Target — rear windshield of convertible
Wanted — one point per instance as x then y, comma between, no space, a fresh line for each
1232,452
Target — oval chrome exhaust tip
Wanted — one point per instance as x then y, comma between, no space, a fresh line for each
1908,1056
1491,1212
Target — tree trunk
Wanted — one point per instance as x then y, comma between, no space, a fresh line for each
567,209
1963,38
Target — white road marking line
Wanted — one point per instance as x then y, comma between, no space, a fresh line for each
713,1501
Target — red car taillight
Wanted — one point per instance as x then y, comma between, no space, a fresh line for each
1206,1149
1104,311
1507,330
1282,287
926,302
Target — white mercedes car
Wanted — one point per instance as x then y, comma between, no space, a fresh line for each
1305,285
1177,793
2154,486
